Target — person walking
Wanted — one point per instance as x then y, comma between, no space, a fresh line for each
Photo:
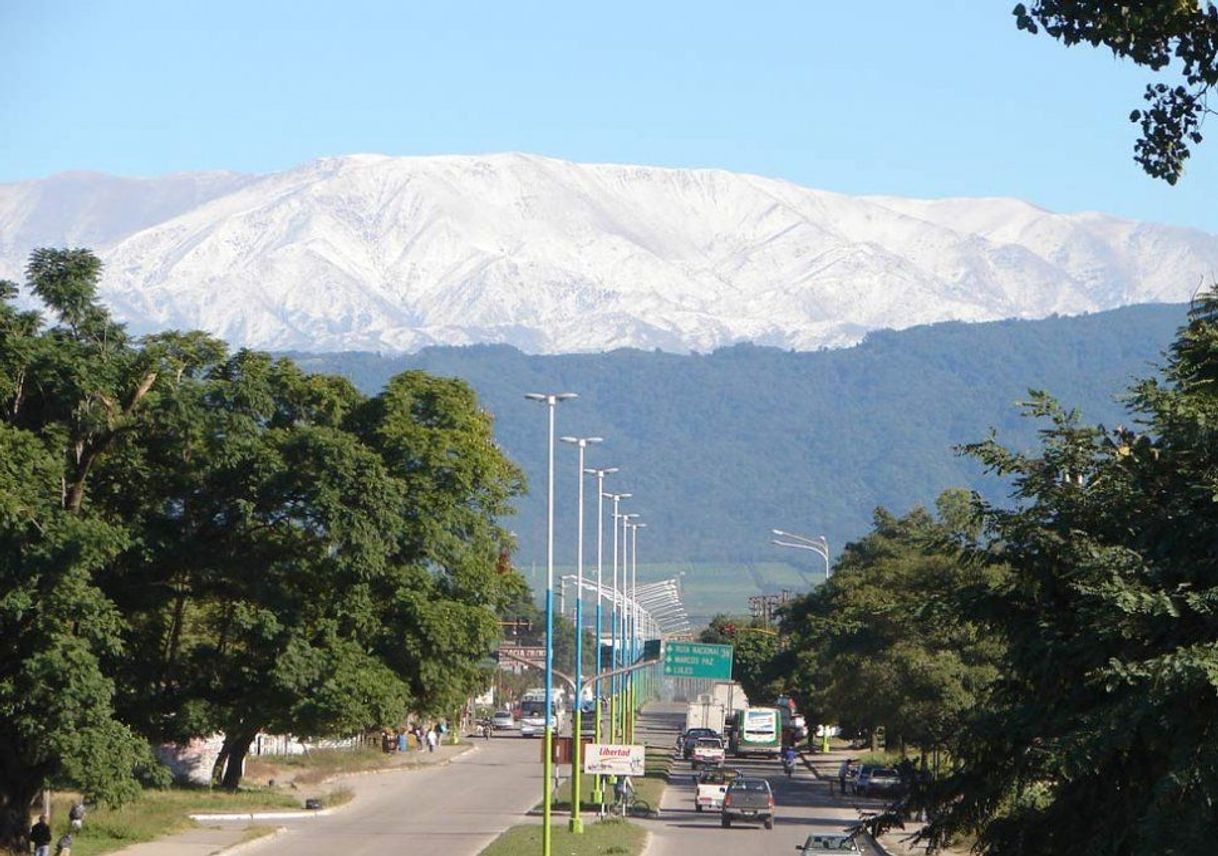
431,739
402,740
76,815
842,773
40,837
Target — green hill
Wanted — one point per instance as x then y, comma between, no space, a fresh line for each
720,448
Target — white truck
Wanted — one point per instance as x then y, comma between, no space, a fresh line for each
712,784
705,712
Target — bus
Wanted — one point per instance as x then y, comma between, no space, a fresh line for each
757,731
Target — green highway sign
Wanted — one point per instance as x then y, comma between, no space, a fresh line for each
696,660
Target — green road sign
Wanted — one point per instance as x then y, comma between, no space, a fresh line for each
695,660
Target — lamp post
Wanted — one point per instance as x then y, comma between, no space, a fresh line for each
634,582
550,400
626,682
577,822
598,791
614,681
818,545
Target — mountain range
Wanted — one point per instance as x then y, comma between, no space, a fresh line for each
377,253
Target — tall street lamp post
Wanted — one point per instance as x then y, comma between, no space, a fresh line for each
818,545
627,684
614,624
577,822
634,589
551,400
598,789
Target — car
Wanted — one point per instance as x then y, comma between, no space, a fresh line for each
747,799
503,720
707,751
685,743
829,842
859,786
882,781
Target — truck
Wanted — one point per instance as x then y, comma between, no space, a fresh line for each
748,799
705,712
707,752
712,784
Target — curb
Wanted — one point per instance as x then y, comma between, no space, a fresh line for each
252,843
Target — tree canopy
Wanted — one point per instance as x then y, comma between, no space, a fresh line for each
1172,37
197,541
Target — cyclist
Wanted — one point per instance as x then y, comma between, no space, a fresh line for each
623,790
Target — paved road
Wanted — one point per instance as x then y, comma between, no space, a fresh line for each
803,805
454,810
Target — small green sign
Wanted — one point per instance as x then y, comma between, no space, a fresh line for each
696,660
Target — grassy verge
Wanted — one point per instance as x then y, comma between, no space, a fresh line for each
603,837
159,813
649,788
322,764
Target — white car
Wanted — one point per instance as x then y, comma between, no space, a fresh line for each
712,785
503,720
708,752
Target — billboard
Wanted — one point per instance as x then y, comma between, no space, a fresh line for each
614,759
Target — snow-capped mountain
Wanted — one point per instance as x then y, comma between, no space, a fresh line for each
381,253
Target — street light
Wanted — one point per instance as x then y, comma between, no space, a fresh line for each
818,545
550,400
577,822
634,621
615,680
598,788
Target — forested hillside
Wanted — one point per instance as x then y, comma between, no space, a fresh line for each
720,448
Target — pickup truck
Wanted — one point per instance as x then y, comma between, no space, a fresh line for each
712,784
707,752
748,799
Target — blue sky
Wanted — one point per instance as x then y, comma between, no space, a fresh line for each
942,99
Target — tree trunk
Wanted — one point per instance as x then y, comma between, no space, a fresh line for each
236,745
16,798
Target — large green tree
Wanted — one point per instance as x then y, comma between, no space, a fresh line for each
883,641
1102,735
70,394
1177,38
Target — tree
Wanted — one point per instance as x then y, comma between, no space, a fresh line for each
1100,738
754,647
1159,34
882,642
70,395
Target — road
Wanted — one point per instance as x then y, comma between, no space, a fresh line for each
456,810
803,805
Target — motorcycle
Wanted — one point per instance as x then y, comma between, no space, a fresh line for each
788,765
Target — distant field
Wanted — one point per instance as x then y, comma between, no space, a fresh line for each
706,589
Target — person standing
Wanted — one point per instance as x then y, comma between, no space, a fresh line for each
40,837
76,815
431,739
402,740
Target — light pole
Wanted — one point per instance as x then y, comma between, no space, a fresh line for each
614,681
551,401
626,681
818,545
634,635
577,822
598,788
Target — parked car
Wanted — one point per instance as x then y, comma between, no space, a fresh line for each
829,842
711,786
685,743
748,799
503,720
859,786
883,781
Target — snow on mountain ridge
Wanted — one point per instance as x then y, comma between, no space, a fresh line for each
374,252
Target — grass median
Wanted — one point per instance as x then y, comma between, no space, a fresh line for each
602,837
649,788
157,813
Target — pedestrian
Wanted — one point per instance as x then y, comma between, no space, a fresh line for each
40,837
418,736
842,773
63,847
76,815
402,740
431,739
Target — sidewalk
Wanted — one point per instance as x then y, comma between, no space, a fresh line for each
207,839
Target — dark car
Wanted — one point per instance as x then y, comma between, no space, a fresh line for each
883,781
748,799
685,743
